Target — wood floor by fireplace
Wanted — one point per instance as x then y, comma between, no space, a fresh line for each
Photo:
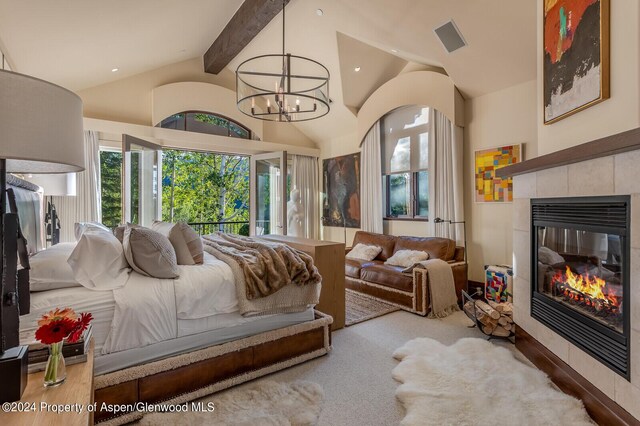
580,273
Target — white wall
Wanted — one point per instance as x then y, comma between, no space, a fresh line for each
619,113
501,118
129,100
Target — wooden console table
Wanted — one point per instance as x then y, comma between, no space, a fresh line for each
77,389
328,257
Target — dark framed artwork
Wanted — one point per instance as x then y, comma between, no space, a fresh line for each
576,56
341,191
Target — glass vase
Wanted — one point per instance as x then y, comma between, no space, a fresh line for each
55,373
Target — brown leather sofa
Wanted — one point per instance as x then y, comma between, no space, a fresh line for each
386,282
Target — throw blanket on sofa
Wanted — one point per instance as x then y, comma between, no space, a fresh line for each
442,289
270,277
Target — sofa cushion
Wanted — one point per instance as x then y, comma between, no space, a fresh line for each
352,267
386,242
438,248
387,275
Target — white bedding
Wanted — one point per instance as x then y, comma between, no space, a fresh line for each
146,310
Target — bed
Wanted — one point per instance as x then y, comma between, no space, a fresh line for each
176,339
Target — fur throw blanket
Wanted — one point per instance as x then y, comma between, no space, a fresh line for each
267,267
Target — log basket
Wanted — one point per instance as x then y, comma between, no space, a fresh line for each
477,309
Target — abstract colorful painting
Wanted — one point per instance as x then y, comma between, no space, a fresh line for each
489,187
576,56
341,186
498,283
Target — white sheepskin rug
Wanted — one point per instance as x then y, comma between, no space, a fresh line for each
267,403
474,382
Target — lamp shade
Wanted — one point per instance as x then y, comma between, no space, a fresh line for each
61,184
40,126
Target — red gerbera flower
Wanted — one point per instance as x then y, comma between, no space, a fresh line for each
80,326
55,331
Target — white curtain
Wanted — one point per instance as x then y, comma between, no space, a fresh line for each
305,180
275,201
445,176
86,205
371,182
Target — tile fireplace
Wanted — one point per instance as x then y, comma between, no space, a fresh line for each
580,273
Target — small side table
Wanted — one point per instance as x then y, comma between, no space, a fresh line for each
77,389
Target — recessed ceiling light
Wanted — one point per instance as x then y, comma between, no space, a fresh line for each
357,69
115,69
319,12
394,50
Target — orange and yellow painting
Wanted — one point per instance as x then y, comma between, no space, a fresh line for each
576,46
489,187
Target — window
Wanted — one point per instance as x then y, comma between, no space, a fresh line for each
405,157
111,187
204,122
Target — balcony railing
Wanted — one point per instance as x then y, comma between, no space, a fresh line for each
238,228
204,228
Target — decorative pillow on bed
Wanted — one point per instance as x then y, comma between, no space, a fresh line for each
176,236
150,253
119,230
98,261
194,242
50,270
81,227
364,252
407,258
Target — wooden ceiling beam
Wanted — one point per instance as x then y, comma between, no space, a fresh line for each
248,21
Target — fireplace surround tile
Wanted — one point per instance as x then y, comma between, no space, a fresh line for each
522,250
627,396
627,173
593,177
554,342
521,214
634,284
635,221
635,358
524,186
552,182
592,370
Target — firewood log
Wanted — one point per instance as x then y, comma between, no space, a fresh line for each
500,331
488,329
497,306
503,321
486,320
507,307
488,309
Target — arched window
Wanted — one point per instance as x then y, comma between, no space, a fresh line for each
206,122
405,162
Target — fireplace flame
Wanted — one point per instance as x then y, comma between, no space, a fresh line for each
588,285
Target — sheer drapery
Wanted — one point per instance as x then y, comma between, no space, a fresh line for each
371,182
86,205
305,179
445,172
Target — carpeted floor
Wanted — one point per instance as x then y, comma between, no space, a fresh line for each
356,375
361,307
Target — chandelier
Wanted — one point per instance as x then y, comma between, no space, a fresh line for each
282,87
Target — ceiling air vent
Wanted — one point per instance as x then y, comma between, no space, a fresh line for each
450,36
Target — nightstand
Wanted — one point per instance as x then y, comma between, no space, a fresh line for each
77,389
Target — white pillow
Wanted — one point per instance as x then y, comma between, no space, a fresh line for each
98,261
364,252
548,256
80,228
50,270
407,258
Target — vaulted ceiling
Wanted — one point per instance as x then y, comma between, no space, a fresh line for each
76,43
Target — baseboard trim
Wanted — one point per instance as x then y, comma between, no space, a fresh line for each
602,409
